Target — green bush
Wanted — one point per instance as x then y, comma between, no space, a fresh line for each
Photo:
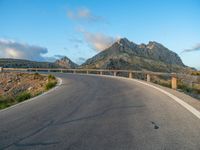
6,101
23,96
51,77
50,85
195,73
185,88
3,104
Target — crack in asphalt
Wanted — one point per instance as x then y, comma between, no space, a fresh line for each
36,144
97,115
51,123
28,136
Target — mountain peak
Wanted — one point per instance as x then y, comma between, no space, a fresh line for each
125,42
65,62
124,54
153,44
122,40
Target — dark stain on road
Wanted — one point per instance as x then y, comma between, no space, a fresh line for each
155,125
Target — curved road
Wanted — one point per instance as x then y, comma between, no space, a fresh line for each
99,113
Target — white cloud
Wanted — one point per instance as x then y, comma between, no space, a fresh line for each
84,14
12,49
98,41
195,48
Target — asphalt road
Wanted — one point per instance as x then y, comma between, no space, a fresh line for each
100,113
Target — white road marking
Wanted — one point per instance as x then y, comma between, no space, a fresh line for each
178,100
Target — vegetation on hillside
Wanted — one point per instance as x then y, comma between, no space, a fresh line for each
189,86
18,87
21,63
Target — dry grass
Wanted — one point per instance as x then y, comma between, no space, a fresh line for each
17,87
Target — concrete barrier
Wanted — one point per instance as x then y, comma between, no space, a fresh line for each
130,75
148,78
174,82
115,73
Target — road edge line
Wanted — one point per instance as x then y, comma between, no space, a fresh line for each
172,96
175,98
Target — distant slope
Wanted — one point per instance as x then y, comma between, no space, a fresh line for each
124,54
21,63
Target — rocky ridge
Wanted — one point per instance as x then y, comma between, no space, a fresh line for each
124,54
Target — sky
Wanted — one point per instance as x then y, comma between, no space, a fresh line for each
44,30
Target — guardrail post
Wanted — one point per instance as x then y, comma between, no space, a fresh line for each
130,75
74,71
148,78
101,72
115,73
61,71
1,69
174,82
87,72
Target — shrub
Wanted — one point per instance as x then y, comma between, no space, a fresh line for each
50,85
38,93
6,101
51,77
23,96
185,88
195,73
3,104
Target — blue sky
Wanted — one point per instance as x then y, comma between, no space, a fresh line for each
79,29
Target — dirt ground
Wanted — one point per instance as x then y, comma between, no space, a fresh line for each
13,83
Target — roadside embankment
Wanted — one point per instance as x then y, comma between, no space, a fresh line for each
17,87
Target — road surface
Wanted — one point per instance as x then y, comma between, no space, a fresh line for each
99,113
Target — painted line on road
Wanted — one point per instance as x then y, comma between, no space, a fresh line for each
31,99
178,100
175,98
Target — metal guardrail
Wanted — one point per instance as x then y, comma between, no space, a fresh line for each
130,73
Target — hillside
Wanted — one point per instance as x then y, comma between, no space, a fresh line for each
21,63
124,54
17,87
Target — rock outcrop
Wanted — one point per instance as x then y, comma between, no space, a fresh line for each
66,63
124,54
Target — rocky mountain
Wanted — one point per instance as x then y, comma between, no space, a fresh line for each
124,54
66,63
21,63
